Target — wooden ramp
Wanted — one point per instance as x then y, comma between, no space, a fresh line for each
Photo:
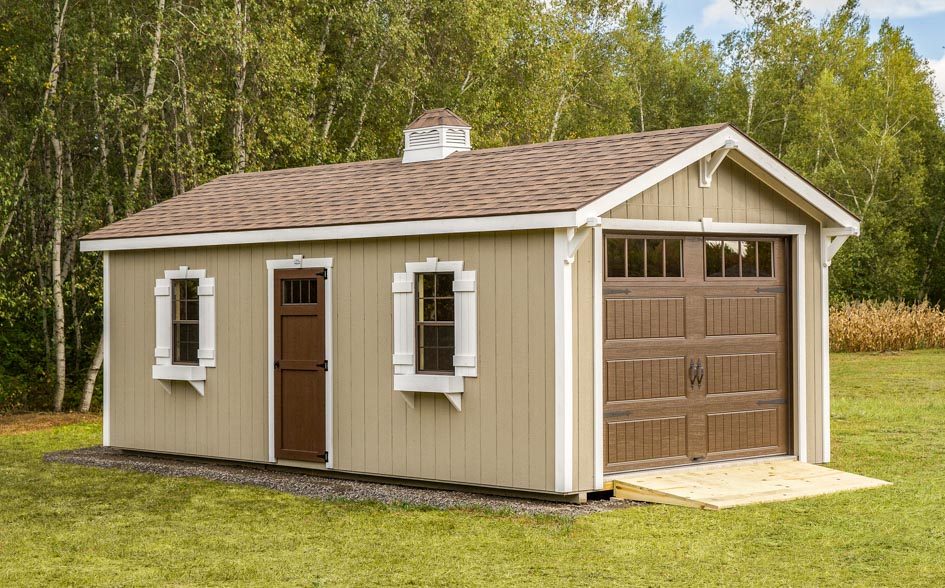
736,484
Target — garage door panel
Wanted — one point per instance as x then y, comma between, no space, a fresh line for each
741,315
645,318
745,372
641,379
647,439
728,432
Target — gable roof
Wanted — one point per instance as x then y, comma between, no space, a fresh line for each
540,180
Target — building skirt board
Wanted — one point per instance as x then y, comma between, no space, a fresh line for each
736,484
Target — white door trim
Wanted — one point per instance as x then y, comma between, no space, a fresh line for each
797,233
299,262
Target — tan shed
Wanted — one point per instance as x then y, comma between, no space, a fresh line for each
526,319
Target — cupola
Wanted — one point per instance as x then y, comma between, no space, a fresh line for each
435,134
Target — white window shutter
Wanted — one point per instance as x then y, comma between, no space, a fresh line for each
162,313
464,291
402,289
206,353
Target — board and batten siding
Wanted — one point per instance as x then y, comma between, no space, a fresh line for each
504,435
735,196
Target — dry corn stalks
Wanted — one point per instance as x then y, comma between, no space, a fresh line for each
886,326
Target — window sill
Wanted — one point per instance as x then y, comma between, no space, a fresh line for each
448,385
196,375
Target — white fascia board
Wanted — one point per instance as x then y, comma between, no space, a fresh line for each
361,231
747,148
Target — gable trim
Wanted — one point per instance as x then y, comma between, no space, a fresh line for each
705,148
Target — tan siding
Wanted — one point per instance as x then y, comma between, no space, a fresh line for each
736,195
504,436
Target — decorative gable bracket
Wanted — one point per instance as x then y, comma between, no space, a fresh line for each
710,163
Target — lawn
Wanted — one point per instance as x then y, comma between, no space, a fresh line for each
71,525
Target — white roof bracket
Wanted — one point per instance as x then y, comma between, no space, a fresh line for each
710,163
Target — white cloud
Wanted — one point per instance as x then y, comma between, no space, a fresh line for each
719,12
938,69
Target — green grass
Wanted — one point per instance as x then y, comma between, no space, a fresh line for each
71,525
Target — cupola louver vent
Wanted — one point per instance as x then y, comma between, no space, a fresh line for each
434,135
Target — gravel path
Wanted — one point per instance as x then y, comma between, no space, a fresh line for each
322,487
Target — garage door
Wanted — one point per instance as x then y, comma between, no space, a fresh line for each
695,349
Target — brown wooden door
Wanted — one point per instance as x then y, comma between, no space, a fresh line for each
695,366
300,366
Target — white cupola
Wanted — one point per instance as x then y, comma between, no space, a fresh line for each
435,134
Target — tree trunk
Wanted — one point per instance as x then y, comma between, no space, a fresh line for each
239,131
364,106
92,375
49,92
59,325
145,105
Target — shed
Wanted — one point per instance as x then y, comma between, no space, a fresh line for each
528,319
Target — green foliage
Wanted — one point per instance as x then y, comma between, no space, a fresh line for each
83,526
264,84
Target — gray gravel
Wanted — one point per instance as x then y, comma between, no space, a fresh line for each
320,486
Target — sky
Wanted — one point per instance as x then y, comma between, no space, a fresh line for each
923,20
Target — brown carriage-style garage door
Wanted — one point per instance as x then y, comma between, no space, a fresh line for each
695,349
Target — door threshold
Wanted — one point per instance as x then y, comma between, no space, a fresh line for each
689,467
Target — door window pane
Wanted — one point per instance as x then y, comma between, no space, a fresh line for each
654,258
636,261
616,258
713,259
765,259
732,251
673,249
749,259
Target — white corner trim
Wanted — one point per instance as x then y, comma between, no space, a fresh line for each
512,222
564,359
598,358
106,354
298,262
465,360
800,350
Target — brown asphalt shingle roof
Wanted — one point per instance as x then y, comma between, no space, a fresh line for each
545,177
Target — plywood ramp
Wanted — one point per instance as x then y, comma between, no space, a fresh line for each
737,484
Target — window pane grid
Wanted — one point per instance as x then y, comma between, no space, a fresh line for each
638,257
435,322
185,321
739,258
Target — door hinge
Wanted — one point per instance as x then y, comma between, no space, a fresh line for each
324,456
323,365
773,401
323,273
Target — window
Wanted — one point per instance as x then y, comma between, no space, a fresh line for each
638,257
303,291
185,327
435,327
731,258
186,321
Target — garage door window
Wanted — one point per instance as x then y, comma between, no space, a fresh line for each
726,258
640,257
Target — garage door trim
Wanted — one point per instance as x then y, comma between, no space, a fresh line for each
706,226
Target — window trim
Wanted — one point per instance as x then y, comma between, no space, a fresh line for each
407,379
627,237
164,369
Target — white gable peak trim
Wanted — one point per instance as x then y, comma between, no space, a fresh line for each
722,142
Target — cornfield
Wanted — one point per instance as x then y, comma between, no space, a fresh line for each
886,326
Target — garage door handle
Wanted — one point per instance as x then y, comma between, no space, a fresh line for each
693,373
701,373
